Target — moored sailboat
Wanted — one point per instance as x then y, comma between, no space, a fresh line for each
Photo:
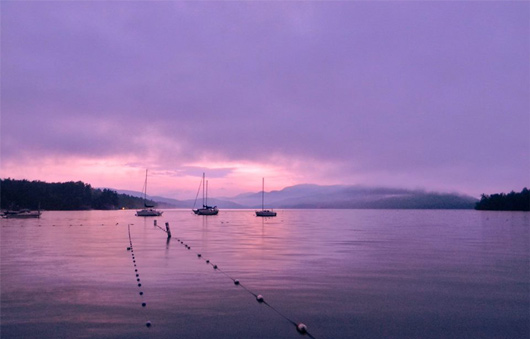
264,212
149,210
205,210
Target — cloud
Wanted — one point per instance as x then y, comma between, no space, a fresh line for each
428,94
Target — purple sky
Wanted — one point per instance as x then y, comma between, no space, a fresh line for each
431,95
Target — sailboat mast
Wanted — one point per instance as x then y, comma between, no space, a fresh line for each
203,188
145,187
262,193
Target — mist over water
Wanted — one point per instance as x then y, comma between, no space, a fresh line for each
343,273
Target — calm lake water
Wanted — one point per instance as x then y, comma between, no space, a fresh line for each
343,273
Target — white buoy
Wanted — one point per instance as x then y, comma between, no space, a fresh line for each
236,282
259,298
302,328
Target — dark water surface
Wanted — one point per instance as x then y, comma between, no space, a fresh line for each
343,273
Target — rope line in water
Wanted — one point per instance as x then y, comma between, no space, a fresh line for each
300,327
141,293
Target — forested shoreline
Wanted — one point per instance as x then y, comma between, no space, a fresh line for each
505,202
19,194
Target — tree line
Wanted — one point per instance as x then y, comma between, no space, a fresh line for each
19,194
505,202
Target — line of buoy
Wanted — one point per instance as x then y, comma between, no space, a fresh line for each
141,293
300,327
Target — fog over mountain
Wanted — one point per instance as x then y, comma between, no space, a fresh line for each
336,196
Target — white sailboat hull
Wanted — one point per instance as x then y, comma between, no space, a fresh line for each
21,214
206,211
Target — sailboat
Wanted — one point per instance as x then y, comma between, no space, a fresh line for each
205,210
264,212
148,211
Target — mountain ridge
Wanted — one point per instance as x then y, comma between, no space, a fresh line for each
332,196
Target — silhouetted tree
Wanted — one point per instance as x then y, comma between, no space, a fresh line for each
105,200
17,194
505,202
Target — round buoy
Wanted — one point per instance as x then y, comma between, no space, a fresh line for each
148,324
144,304
207,261
137,275
136,270
139,285
141,293
236,282
214,267
189,248
138,279
128,248
259,298
301,328
199,255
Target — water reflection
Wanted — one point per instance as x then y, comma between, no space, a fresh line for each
400,274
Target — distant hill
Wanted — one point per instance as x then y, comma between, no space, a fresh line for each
78,195
343,196
188,203
161,201
334,196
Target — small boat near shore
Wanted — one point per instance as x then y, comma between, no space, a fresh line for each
21,214
148,212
